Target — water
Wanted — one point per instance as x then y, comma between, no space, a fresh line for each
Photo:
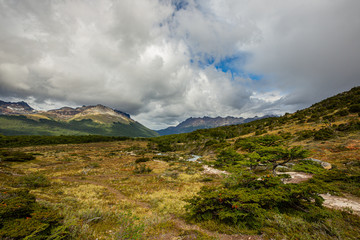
194,158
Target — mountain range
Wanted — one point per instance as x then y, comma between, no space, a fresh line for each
18,118
192,124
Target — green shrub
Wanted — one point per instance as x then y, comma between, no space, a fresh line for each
15,204
228,157
166,158
343,112
142,159
304,134
340,180
15,156
355,108
308,166
164,147
324,134
141,168
248,201
21,217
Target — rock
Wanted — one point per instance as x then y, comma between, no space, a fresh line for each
282,168
323,164
326,165
289,165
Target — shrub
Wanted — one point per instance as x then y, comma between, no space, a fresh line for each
308,166
166,158
305,134
15,156
15,204
247,201
21,217
343,112
142,159
164,147
355,108
324,134
228,157
141,168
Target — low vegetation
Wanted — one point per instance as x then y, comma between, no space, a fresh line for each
93,187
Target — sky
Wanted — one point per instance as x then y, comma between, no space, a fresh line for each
163,61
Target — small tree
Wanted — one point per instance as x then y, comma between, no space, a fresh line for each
228,157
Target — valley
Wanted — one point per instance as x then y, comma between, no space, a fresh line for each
155,188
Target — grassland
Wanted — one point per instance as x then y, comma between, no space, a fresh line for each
148,189
94,188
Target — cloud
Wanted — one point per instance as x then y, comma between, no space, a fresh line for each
163,61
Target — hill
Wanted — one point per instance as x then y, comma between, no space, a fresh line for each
192,124
21,119
327,119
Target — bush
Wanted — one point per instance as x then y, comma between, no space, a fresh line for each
343,112
164,147
141,168
304,134
308,166
355,108
228,157
15,204
324,134
21,217
15,156
142,159
247,201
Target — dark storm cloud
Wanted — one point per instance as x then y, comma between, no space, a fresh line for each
152,58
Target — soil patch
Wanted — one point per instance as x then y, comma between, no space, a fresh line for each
341,203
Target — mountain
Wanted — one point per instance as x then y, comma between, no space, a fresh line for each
20,119
192,124
12,108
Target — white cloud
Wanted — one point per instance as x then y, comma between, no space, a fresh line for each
142,56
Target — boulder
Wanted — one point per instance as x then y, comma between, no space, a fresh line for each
325,165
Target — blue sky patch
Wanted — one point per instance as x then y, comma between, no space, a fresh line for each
230,64
180,4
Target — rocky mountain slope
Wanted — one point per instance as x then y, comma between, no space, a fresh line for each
192,124
11,108
20,119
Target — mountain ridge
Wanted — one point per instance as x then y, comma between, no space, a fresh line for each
21,119
12,108
192,124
